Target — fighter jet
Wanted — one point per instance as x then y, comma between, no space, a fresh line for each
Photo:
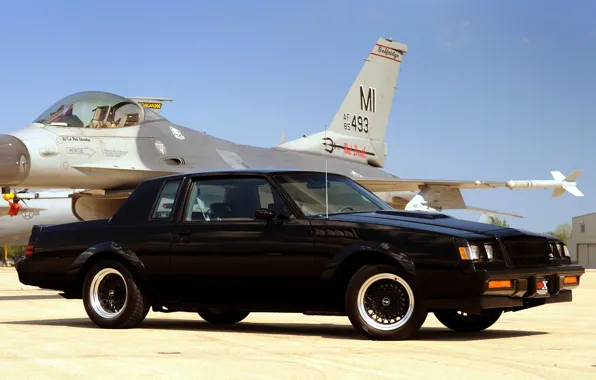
53,207
106,144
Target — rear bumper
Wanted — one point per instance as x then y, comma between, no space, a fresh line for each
516,289
32,274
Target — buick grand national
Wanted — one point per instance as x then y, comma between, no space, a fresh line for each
225,244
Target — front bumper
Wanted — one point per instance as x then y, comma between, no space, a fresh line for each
516,289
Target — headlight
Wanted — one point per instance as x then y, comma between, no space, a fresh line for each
566,250
470,252
559,249
556,250
478,252
474,252
489,251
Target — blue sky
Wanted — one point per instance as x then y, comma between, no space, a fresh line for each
488,90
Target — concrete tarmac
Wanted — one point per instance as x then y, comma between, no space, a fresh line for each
43,336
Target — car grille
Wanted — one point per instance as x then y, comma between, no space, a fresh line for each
528,252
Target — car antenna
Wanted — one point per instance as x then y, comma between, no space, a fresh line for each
326,182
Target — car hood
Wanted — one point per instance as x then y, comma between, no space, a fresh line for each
429,221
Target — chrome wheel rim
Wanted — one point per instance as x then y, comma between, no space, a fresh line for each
108,293
385,301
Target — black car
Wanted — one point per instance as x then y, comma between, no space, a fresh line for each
224,244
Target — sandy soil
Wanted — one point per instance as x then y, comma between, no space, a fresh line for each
43,336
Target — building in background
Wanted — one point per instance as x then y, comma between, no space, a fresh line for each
582,242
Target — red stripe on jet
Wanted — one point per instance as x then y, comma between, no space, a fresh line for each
388,47
384,56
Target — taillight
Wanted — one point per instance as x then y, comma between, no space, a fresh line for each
29,250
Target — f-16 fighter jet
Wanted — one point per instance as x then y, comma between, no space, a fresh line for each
106,144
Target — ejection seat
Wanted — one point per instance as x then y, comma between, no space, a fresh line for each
99,115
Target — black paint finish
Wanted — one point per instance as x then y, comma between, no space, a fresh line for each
295,264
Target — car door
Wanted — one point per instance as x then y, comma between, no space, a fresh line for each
225,254
150,239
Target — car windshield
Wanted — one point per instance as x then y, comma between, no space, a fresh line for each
96,109
344,195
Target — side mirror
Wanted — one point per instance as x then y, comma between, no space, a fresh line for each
264,214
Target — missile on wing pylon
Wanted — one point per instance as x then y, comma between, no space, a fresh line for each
559,182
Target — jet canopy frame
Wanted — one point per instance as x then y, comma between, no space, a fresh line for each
97,109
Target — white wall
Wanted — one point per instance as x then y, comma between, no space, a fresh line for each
580,239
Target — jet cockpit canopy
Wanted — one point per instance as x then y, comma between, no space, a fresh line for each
96,109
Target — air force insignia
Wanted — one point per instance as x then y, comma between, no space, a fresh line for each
161,148
177,134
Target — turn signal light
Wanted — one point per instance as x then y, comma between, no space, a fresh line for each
463,253
571,280
500,284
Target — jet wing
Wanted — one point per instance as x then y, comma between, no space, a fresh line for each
559,183
4,209
486,211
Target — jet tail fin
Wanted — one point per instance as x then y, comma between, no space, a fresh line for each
366,108
154,104
357,131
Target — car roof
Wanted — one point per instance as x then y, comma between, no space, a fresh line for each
240,171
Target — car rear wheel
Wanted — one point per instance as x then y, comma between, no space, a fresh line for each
382,303
217,317
463,322
112,296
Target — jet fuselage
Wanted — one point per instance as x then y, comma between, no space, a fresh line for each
71,157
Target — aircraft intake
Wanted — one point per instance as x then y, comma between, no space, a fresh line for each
15,161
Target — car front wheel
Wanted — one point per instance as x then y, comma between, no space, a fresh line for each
222,317
463,322
382,303
112,297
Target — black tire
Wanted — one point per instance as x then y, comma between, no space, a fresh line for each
462,322
135,305
403,290
222,317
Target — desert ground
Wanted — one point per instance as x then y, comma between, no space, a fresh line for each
43,336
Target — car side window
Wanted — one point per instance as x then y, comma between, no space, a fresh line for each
164,206
270,199
232,199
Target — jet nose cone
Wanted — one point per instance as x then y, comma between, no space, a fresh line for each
14,161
